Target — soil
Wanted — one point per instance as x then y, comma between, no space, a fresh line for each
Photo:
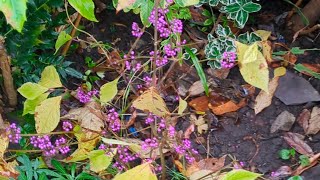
244,135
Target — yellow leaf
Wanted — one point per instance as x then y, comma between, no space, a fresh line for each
142,171
264,35
47,115
122,4
99,161
264,99
280,71
266,50
182,105
31,90
255,69
4,142
108,91
30,104
50,78
151,101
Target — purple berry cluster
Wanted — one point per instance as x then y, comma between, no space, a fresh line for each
85,97
67,126
14,133
161,125
44,144
171,131
162,25
186,150
129,62
136,30
160,61
228,60
149,143
125,157
113,120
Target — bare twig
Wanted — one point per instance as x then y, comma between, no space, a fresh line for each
293,10
73,32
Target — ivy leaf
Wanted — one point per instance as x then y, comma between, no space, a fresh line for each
234,7
151,101
145,12
241,18
241,174
47,115
30,104
142,171
184,3
99,161
50,78
62,39
253,66
31,90
108,91
251,7
15,12
85,8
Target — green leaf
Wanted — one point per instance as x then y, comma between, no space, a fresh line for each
304,160
302,68
30,104
242,17
50,78
85,8
285,154
199,70
15,12
31,90
295,178
62,39
235,7
99,161
58,166
213,2
251,7
208,22
145,12
184,3
297,51
206,13
47,115
241,174
108,91
142,171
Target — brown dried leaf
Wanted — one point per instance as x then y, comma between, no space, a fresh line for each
188,131
8,170
200,104
196,89
200,122
4,142
299,145
227,107
314,122
212,164
132,119
284,171
264,99
303,119
313,67
267,50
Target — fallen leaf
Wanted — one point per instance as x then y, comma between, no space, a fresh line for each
264,99
280,71
253,66
151,101
122,4
179,166
203,175
219,73
303,119
89,116
212,164
200,103
299,145
4,142
227,107
313,161
47,115
267,50
283,171
289,58
196,89
142,171
188,131
294,90
200,122
182,106
314,122
8,170
284,122
314,67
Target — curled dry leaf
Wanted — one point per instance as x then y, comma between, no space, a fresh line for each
303,119
298,144
89,116
284,122
200,122
4,142
264,99
314,122
267,50
211,164
196,89
8,170
229,106
289,58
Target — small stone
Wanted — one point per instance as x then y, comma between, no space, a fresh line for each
283,122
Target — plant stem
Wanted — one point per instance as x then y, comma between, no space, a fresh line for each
52,133
73,32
